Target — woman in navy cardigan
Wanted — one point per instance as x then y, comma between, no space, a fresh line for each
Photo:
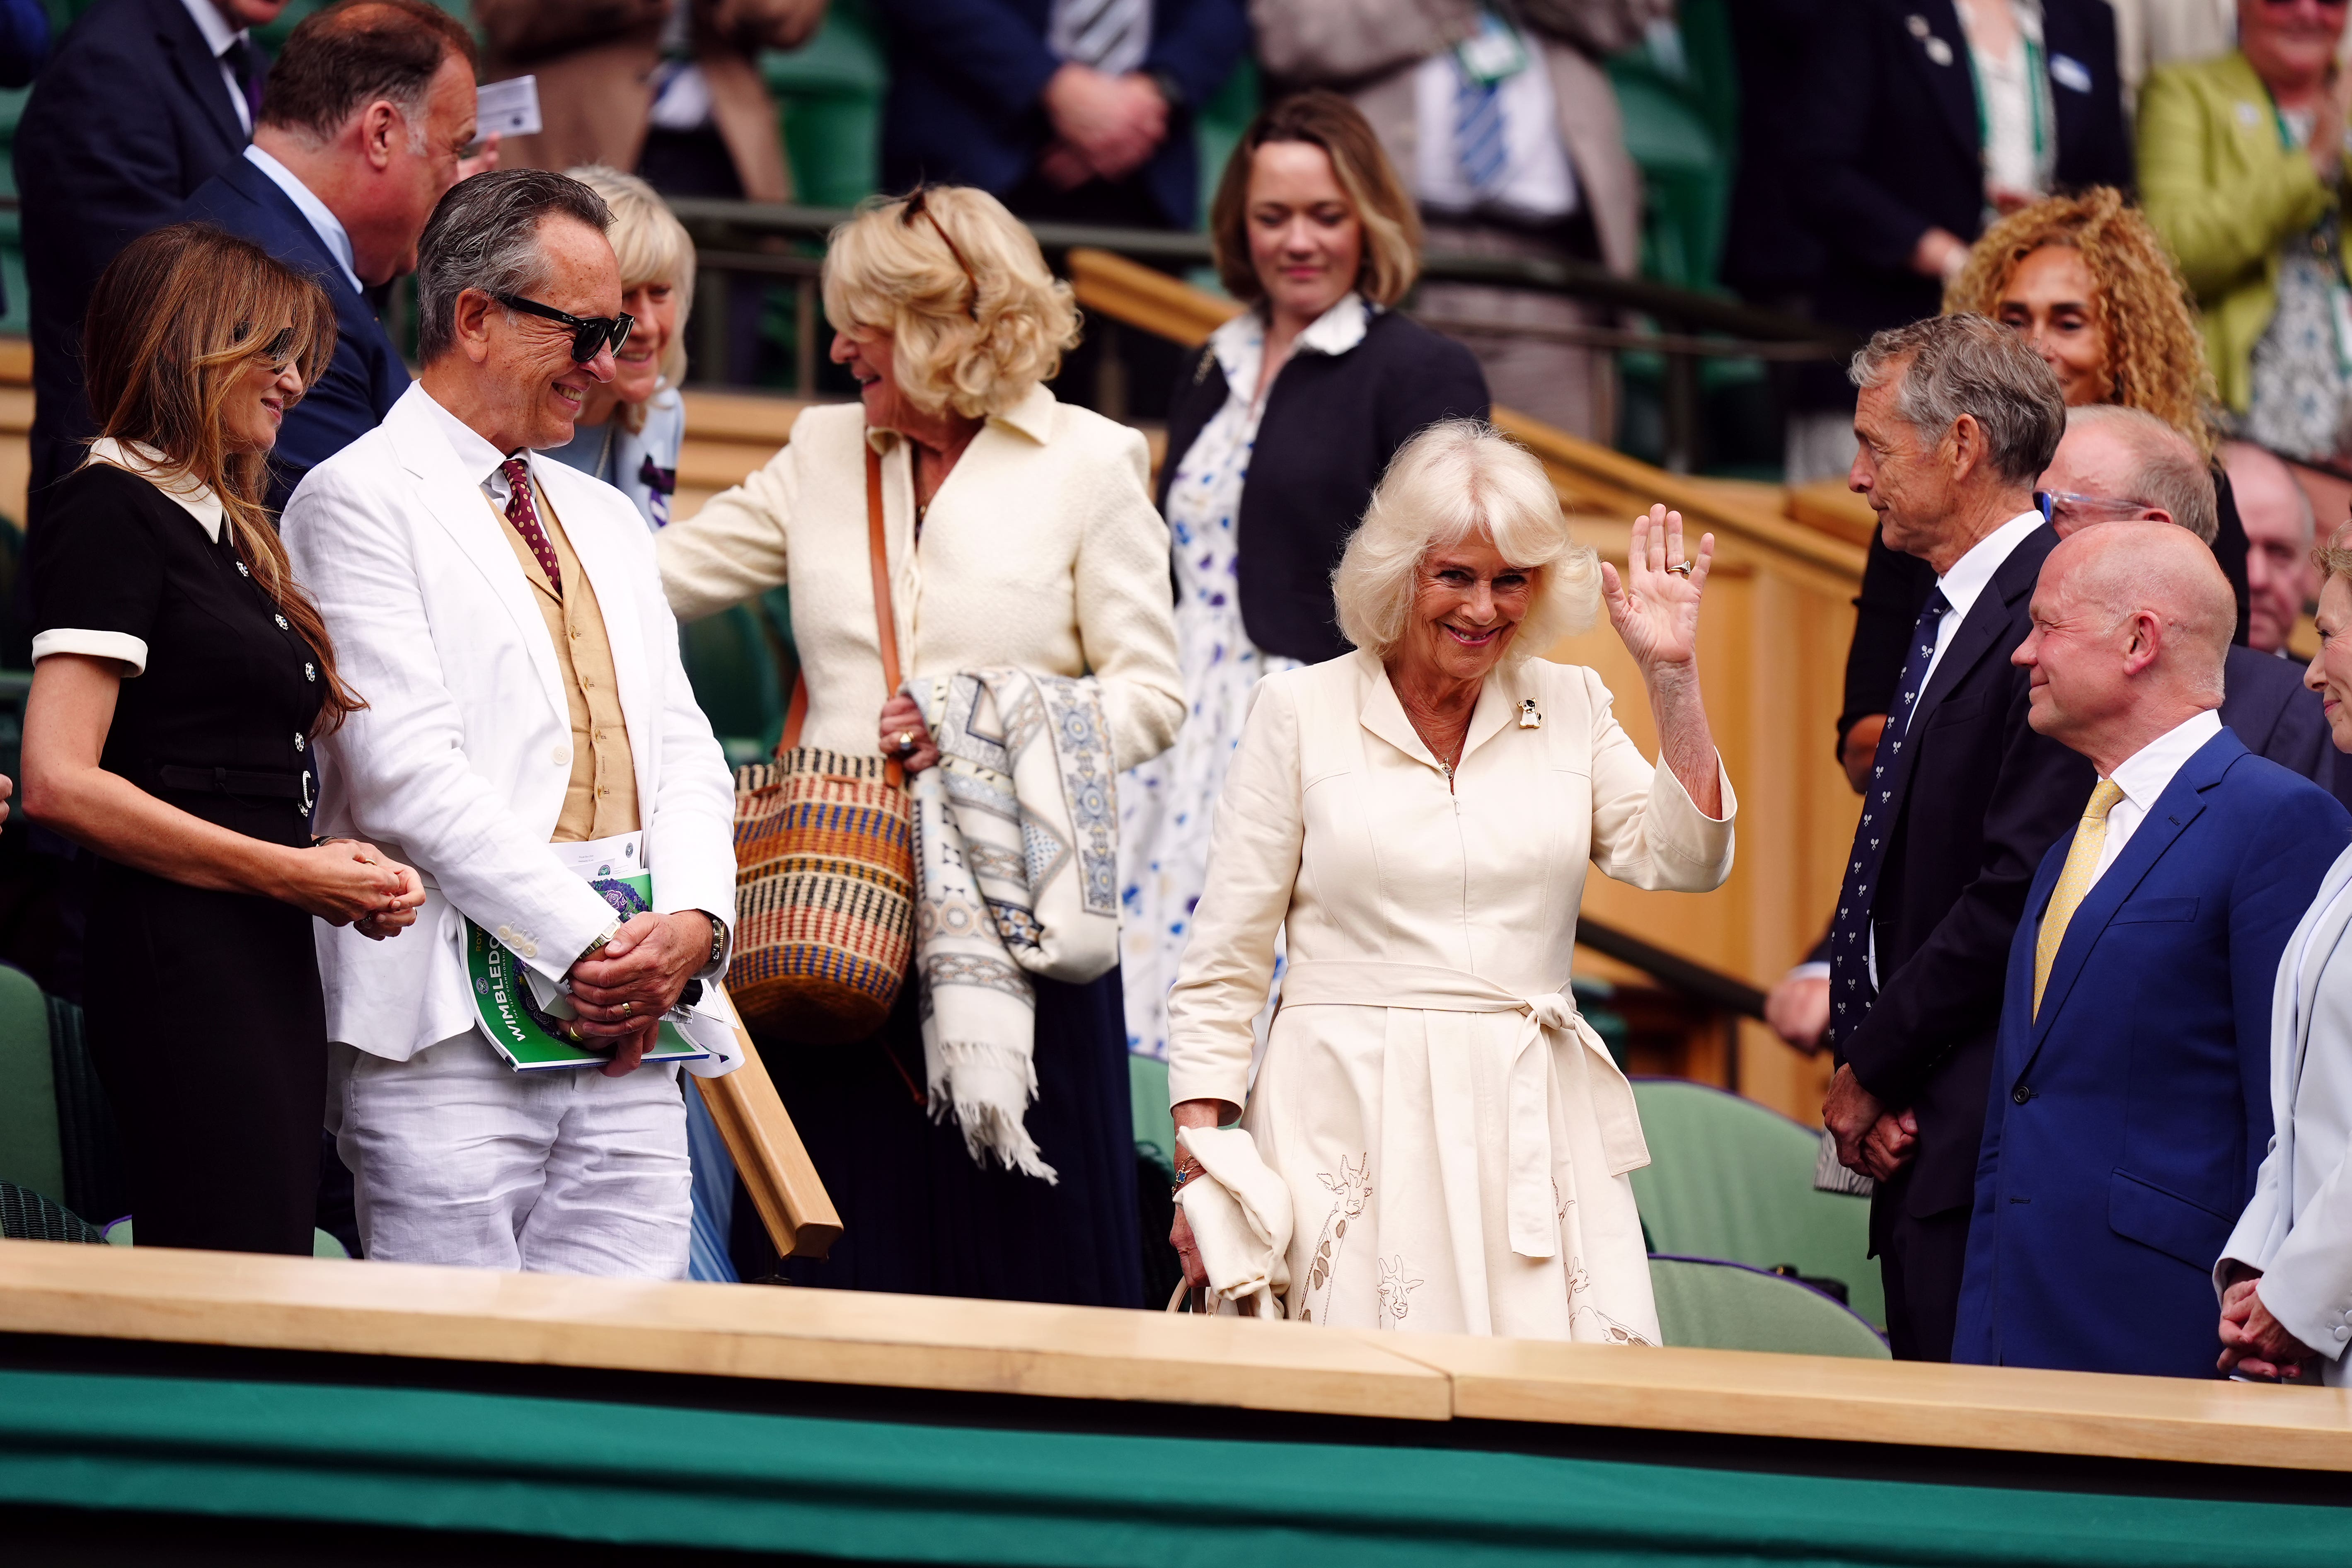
1277,432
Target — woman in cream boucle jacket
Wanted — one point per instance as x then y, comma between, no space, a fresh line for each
1019,533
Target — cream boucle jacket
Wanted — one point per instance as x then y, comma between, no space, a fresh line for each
1042,551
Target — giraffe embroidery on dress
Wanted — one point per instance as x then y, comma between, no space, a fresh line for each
1587,1324
1351,1189
1395,1285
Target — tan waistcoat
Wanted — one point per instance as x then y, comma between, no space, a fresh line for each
601,798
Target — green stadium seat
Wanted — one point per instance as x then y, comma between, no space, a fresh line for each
26,1215
1147,1084
1730,1178
829,95
1707,1303
732,667
32,1155
118,1234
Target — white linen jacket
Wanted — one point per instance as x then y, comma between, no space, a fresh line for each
459,761
2298,1228
1043,551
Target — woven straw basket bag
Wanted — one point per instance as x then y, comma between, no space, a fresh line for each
824,858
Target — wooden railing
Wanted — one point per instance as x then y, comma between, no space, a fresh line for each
424,1315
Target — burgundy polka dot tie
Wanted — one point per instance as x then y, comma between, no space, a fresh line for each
525,517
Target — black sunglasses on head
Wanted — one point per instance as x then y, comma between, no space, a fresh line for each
589,334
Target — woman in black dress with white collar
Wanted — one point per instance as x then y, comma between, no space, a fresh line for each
180,675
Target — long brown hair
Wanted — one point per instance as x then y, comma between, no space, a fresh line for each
173,321
2156,356
1391,224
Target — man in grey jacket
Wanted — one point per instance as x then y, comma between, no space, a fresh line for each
1503,126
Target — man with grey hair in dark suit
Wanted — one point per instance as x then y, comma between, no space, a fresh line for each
1956,420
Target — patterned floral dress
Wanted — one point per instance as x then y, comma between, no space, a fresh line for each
1165,805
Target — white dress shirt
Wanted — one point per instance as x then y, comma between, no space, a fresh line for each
322,219
1962,586
2145,774
476,456
219,37
1537,182
1966,582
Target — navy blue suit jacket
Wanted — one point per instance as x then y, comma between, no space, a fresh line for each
127,120
366,376
965,75
2127,1121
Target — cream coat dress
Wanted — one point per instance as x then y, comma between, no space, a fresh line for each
1454,1140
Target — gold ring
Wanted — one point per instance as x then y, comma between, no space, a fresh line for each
1680,568
905,741
627,1008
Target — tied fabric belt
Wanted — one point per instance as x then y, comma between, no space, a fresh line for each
1550,1019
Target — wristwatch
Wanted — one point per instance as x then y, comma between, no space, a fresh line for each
717,937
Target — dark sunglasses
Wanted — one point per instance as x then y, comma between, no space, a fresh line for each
589,334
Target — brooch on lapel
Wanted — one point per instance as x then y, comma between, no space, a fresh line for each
1528,718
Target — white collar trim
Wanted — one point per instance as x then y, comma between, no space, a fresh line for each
2148,772
195,497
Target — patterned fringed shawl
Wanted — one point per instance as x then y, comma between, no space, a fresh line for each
1016,873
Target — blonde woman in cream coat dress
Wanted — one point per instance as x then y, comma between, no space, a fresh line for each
1454,1140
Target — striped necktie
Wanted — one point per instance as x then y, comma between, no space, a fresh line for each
2074,882
1110,35
1478,140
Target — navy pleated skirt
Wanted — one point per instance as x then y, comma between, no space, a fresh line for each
921,1215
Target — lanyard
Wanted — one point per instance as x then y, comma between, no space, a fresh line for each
2037,92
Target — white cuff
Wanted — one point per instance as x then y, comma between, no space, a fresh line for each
120,647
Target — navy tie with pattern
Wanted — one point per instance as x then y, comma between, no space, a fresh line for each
1851,991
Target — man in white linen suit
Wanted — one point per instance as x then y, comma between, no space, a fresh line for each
503,619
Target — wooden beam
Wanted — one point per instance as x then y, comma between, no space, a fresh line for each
853,1337
162,1295
1913,1403
769,1156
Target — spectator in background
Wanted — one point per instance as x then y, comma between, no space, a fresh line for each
2241,159
1508,133
670,88
1956,419
143,101
630,427
2128,1112
1919,123
1071,110
2118,463
366,114
1278,431
2152,33
2281,581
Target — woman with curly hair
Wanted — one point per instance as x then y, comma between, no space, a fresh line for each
2091,286
1020,535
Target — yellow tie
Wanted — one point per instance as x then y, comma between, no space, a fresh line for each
2090,838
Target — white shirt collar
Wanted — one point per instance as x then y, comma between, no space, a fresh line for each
323,221
1972,572
2148,772
476,457
1240,343
218,34
196,497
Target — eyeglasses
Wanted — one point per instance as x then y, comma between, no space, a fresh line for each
589,334
2072,503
